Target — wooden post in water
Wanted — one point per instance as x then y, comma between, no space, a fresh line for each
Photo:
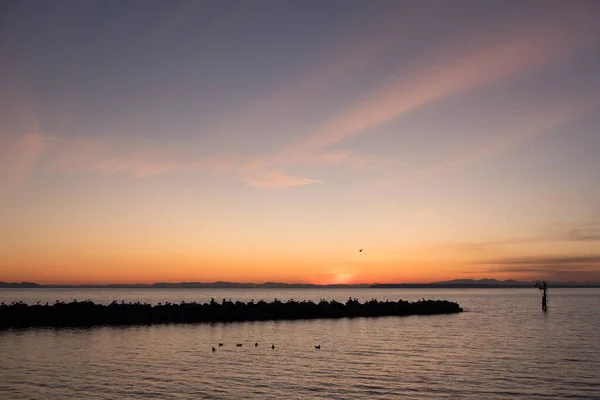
544,289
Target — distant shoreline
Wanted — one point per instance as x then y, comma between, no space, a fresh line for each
457,284
478,286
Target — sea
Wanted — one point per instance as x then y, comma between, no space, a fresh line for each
502,347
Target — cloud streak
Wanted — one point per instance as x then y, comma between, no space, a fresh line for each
445,74
453,72
573,233
18,156
578,231
571,267
137,158
545,260
143,159
536,124
275,180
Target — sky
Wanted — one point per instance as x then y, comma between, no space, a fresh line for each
252,141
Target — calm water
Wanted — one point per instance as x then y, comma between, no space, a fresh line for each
503,347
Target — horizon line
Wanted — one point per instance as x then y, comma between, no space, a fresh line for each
482,281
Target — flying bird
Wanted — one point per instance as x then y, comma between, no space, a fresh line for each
360,251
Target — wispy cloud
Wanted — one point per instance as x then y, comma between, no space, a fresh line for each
136,158
333,64
18,156
544,260
23,145
268,168
423,212
143,159
588,230
273,180
525,128
589,233
556,235
446,74
571,267
456,70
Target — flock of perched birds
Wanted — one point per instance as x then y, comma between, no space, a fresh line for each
318,347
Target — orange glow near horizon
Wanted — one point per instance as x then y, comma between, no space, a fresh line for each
227,151
417,267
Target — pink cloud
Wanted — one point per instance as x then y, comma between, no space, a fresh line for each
423,212
143,160
18,156
275,180
527,127
140,159
454,71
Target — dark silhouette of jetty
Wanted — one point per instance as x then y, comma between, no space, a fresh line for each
87,313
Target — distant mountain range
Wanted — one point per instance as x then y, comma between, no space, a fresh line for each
482,283
453,284
184,285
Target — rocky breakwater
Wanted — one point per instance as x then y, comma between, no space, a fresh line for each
87,313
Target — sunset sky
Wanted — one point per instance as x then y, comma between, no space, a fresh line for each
252,141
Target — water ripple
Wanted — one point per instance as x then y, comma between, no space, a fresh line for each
503,348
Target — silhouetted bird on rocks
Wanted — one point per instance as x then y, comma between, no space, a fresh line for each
239,344
220,344
273,347
256,344
318,347
213,349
